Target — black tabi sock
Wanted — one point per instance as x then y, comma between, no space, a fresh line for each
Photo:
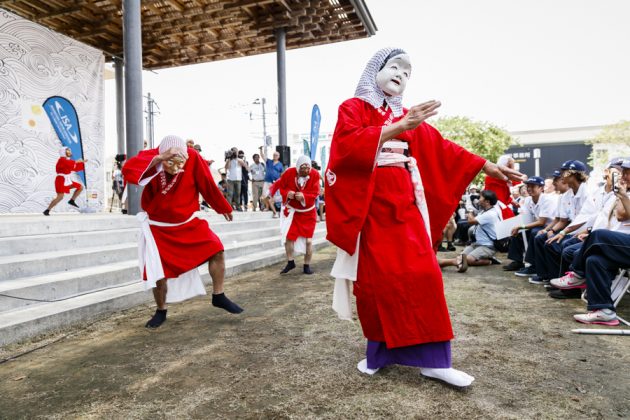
158,319
72,203
290,266
222,301
46,212
307,269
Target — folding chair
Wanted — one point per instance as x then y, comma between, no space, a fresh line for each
619,287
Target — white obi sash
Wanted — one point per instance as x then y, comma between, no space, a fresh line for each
285,224
345,268
186,286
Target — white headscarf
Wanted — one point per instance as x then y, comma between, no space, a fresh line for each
173,141
503,160
368,90
62,151
301,161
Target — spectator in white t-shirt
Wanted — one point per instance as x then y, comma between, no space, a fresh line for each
481,251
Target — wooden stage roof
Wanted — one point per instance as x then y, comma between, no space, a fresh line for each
180,32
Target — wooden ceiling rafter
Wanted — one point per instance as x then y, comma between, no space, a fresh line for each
180,32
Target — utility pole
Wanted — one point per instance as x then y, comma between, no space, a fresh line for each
150,111
262,102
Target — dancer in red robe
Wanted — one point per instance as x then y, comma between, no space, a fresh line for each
502,188
63,181
391,185
174,242
299,188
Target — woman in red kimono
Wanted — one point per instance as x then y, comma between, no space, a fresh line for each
173,241
391,185
502,188
63,181
299,188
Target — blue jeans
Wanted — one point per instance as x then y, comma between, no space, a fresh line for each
599,259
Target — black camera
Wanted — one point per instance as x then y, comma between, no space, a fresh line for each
230,154
615,182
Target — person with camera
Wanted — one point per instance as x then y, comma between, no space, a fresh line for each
173,240
234,169
481,251
244,197
273,171
599,259
64,181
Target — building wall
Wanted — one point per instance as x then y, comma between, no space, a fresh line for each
35,64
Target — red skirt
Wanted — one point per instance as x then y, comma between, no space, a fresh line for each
60,188
185,247
399,289
303,224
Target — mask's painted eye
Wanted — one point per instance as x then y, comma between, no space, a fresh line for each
406,75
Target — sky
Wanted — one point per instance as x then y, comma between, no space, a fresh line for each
522,65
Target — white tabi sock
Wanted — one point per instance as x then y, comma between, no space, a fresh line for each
452,376
362,366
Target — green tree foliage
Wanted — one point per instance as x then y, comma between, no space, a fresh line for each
482,138
613,141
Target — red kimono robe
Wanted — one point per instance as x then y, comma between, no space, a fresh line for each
64,167
174,199
399,289
303,223
502,190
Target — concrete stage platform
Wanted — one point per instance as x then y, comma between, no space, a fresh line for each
72,267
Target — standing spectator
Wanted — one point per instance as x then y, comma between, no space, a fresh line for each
274,169
223,185
257,172
233,167
244,198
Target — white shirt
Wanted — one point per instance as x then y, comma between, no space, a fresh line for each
545,207
593,204
258,171
605,218
571,203
234,173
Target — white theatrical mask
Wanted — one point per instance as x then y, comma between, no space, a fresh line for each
393,77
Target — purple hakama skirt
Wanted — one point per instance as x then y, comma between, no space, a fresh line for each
428,355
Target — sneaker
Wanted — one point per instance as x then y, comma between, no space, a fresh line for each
538,280
526,271
514,266
600,316
450,247
569,281
441,248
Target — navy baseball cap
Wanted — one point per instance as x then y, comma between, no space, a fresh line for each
574,165
625,163
615,163
535,180
556,174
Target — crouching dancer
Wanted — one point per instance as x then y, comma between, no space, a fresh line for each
174,242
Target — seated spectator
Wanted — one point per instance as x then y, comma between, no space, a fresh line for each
481,251
541,209
547,250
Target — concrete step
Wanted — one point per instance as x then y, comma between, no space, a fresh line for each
26,322
29,290
234,231
41,263
21,225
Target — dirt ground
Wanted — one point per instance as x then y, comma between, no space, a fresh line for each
288,356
